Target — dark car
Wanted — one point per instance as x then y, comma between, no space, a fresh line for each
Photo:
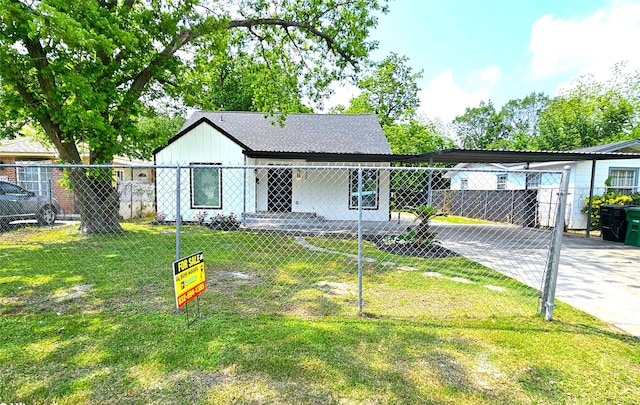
16,203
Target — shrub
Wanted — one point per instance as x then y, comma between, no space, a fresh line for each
200,217
223,222
599,201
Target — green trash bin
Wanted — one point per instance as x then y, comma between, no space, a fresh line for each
633,227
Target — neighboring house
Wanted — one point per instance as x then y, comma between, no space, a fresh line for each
31,167
250,139
621,175
32,172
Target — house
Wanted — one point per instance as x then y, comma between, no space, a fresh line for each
32,165
31,169
605,168
324,151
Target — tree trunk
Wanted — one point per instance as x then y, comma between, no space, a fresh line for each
98,201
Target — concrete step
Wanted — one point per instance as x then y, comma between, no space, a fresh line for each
282,218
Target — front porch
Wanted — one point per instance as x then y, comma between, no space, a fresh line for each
306,223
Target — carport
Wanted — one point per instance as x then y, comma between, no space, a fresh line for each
518,156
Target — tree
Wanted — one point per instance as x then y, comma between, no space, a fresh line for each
227,82
479,127
414,137
389,90
84,70
519,122
592,113
158,128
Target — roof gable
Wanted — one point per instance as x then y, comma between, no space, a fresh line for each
301,133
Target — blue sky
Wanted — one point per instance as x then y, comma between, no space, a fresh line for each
473,50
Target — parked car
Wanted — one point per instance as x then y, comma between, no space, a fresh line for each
16,203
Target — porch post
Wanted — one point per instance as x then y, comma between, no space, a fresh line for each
590,208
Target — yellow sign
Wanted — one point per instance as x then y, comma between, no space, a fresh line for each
188,277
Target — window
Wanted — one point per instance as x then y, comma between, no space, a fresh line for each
369,189
502,182
533,180
206,187
623,180
35,178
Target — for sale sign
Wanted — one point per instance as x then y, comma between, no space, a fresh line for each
188,277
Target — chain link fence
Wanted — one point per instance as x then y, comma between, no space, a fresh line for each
314,240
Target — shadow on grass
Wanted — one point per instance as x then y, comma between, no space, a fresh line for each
121,338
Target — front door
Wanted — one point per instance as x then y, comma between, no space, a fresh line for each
280,188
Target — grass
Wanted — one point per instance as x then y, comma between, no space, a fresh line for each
453,219
92,320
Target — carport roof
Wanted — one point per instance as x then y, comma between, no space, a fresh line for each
517,156
453,156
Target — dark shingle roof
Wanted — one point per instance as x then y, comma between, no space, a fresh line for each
632,145
303,133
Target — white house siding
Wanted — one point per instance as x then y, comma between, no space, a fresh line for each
580,183
202,145
324,192
486,180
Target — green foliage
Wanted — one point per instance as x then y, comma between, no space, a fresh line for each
414,137
389,90
599,201
592,113
157,129
479,127
515,126
84,71
424,214
519,122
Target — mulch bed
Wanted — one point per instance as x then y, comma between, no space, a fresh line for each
426,250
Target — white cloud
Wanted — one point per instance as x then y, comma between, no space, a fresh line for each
592,44
486,77
445,99
342,93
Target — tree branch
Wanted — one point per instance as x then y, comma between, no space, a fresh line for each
331,43
143,77
141,80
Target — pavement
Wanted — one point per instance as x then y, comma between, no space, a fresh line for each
599,277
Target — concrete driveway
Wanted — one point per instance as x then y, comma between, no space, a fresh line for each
599,277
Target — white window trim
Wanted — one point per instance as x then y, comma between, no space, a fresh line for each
205,166
353,173
634,187
501,185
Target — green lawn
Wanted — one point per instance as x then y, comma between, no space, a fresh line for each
92,320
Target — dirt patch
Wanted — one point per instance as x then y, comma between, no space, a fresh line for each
426,250
335,288
77,291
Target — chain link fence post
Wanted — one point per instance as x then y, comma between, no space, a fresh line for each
359,240
178,218
551,275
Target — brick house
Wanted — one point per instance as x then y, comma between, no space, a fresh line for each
26,161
